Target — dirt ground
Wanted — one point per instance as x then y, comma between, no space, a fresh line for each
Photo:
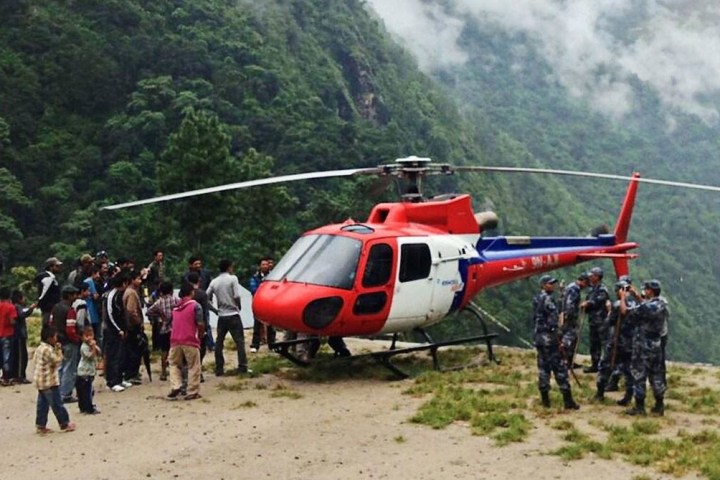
273,428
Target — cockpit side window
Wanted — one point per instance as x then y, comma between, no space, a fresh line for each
378,267
415,262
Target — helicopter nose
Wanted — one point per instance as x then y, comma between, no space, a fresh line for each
297,307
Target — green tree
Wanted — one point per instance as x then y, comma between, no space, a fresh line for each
198,156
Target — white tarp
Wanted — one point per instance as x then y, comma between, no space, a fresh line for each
246,314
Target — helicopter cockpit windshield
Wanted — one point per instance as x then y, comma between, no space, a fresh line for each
326,260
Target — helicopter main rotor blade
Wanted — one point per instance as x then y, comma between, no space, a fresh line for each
247,184
586,174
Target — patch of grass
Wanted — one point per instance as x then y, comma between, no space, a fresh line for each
703,400
676,381
266,364
574,435
232,386
282,391
487,413
563,425
514,427
678,395
570,452
646,427
515,431
246,404
400,439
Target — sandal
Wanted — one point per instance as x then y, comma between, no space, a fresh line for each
43,430
68,427
193,396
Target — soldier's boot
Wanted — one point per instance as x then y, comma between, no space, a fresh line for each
612,385
591,369
600,394
638,409
569,402
659,408
625,401
545,398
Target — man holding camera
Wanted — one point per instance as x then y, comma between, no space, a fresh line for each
616,346
648,360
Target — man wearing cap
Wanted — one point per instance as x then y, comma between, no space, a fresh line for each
48,288
596,305
616,348
64,319
571,316
648,362
547,343
623,345
80,273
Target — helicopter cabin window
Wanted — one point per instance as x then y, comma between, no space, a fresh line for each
369,303
415,261
326,260
379,266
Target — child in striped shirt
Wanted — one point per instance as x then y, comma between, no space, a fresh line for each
48,357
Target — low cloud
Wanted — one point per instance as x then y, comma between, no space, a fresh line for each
669,44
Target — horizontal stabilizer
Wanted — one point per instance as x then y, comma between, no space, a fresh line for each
590,256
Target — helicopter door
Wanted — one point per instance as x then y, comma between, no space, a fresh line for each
413,287
374,291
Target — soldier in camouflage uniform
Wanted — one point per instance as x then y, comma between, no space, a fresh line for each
648,361
623,355
571,316
547,342
596,306
616,348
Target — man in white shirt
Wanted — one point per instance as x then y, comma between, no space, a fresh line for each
226,288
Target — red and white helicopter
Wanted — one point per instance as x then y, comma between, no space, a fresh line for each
414,262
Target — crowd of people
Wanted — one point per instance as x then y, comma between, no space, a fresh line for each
94,323
627,338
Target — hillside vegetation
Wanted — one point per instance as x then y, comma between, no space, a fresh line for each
104,102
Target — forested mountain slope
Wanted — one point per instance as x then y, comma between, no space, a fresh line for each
509,84
103,102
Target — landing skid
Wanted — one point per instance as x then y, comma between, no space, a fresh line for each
383,358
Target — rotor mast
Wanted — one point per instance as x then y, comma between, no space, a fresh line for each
412,169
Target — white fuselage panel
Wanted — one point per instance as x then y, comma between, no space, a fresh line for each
420,302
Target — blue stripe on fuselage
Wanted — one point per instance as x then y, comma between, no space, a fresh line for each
463,266
498,248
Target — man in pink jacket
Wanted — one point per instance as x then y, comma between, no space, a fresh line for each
187,330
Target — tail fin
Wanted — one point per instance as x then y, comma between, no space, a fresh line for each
622,226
